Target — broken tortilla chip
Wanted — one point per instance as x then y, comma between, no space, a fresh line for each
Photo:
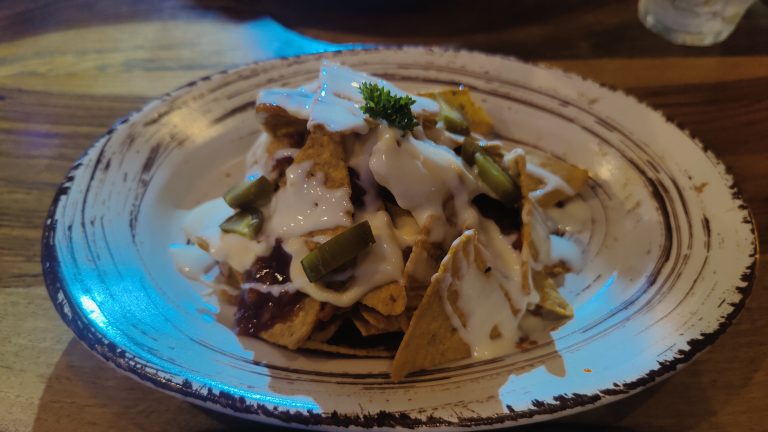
548,195
461,100
421,265
325,330
431,338
367,328
552,306
292,333
387,299
287,131
326,152
384,322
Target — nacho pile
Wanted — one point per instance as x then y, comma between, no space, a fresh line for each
376,223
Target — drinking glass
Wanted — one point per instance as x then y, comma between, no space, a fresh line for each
692,22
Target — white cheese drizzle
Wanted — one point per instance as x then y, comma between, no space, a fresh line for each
336,100
480,296
304,205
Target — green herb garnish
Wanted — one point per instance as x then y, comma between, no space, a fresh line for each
380,103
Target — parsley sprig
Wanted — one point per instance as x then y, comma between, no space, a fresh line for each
380,103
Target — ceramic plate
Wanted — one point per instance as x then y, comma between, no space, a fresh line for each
671,253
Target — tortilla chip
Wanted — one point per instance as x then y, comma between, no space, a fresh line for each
367,328
404,319
309,238
292,333
346,350
384,322
552,306
421,265
460,100
575,177
232,278
326,152
557,269
325,330
431,338
287,130
327,311
388,299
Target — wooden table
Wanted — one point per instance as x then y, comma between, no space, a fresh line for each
68,69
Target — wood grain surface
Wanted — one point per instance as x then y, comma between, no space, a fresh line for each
69,69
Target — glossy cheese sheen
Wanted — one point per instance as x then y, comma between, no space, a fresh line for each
334,101
304,205
482,303
202,223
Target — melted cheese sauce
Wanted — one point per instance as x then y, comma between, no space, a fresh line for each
258,162
298,101
480,295
422,176
202,223
304,205
573,217
359,155
380,264
550,180
334,100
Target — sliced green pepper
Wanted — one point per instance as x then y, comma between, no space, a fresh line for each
246,223
337,251
251,193
496,179
453,120
469,147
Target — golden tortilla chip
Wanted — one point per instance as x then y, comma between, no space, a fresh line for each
325,330
292,333
421,265
575,177
287,131
367,328
327,311
346,350
431,338
388,299
552,306
326,152
516,166
385,322
232,278
460,100
404,319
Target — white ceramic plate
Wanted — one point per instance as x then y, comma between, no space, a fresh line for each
671,253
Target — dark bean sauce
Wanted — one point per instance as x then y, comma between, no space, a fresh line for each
258,311
273,269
